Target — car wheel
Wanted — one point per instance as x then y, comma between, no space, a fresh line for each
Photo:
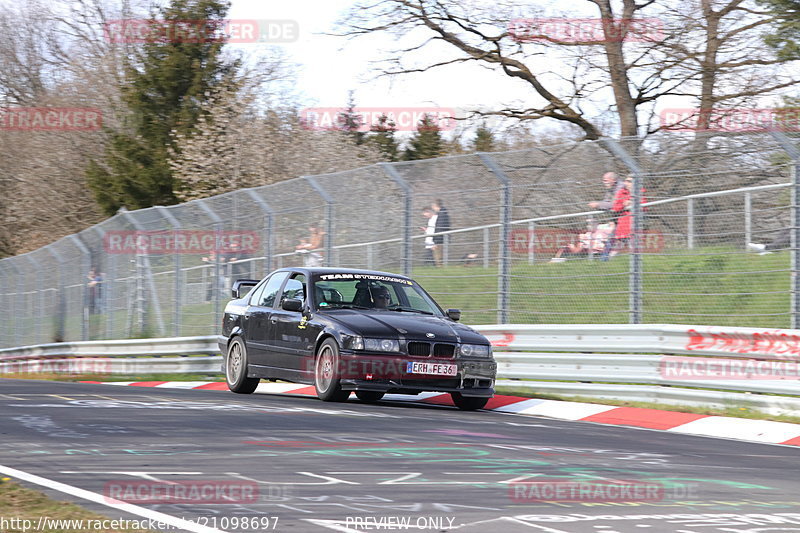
369,396
236,368
326,373
468,403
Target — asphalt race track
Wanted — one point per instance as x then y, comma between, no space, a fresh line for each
297,464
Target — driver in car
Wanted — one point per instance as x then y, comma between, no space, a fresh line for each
381,297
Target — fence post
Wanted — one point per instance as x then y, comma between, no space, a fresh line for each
794,153
690,223
144,274
61,311
392,172
328,215
485,247
177,282
748,218
87,258
269,213
505,221
15,309
37,268
635,285
218,224
531,240
107,284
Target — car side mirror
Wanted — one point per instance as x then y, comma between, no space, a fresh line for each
242,286
292,304
454,314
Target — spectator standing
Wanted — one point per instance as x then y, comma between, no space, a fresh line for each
442,224
95,288
312,247
613,185
429,230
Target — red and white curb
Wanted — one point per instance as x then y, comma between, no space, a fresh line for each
764,431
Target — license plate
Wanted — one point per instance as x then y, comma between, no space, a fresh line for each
436,369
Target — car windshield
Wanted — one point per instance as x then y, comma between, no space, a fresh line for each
372,291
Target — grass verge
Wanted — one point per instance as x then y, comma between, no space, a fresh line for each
23,508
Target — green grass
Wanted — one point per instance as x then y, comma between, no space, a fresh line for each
748,290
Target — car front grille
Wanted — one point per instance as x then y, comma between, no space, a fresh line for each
423,349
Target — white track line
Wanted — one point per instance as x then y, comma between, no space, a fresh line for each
174,521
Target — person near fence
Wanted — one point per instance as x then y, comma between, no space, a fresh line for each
429,229
613,185
95,289
311,248
593,240
782,241
442,224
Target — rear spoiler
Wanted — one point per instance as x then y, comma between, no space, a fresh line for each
239,284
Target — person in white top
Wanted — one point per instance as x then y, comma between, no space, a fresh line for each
429,230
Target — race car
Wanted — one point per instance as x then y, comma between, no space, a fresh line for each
346,330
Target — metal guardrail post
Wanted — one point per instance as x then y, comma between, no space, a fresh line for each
392,172
328,215
85,267
269,237
178,281
503,300
794,152
635,285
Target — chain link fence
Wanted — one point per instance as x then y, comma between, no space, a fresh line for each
524,244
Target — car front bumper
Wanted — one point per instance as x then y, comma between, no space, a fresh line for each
473,377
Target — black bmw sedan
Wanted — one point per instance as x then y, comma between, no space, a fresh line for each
345,330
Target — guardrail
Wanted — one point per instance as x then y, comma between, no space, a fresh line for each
743,367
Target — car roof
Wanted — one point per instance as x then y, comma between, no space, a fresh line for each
331,270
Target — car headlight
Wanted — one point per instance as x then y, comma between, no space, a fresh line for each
352,342
475,350
381,345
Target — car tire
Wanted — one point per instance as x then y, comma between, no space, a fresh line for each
468,403
369,396
327,381
236,368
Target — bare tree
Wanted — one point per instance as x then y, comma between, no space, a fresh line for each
642,53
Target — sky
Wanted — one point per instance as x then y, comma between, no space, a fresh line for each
330,67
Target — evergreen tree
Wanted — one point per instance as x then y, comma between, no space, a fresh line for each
164,89
484,140
786,37
426,141
350,122
382,137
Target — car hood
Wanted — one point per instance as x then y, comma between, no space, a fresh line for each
411,326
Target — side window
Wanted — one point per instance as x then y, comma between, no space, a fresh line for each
295,288
256,292
271,288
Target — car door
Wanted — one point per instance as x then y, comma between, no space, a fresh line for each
259,327
295,331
